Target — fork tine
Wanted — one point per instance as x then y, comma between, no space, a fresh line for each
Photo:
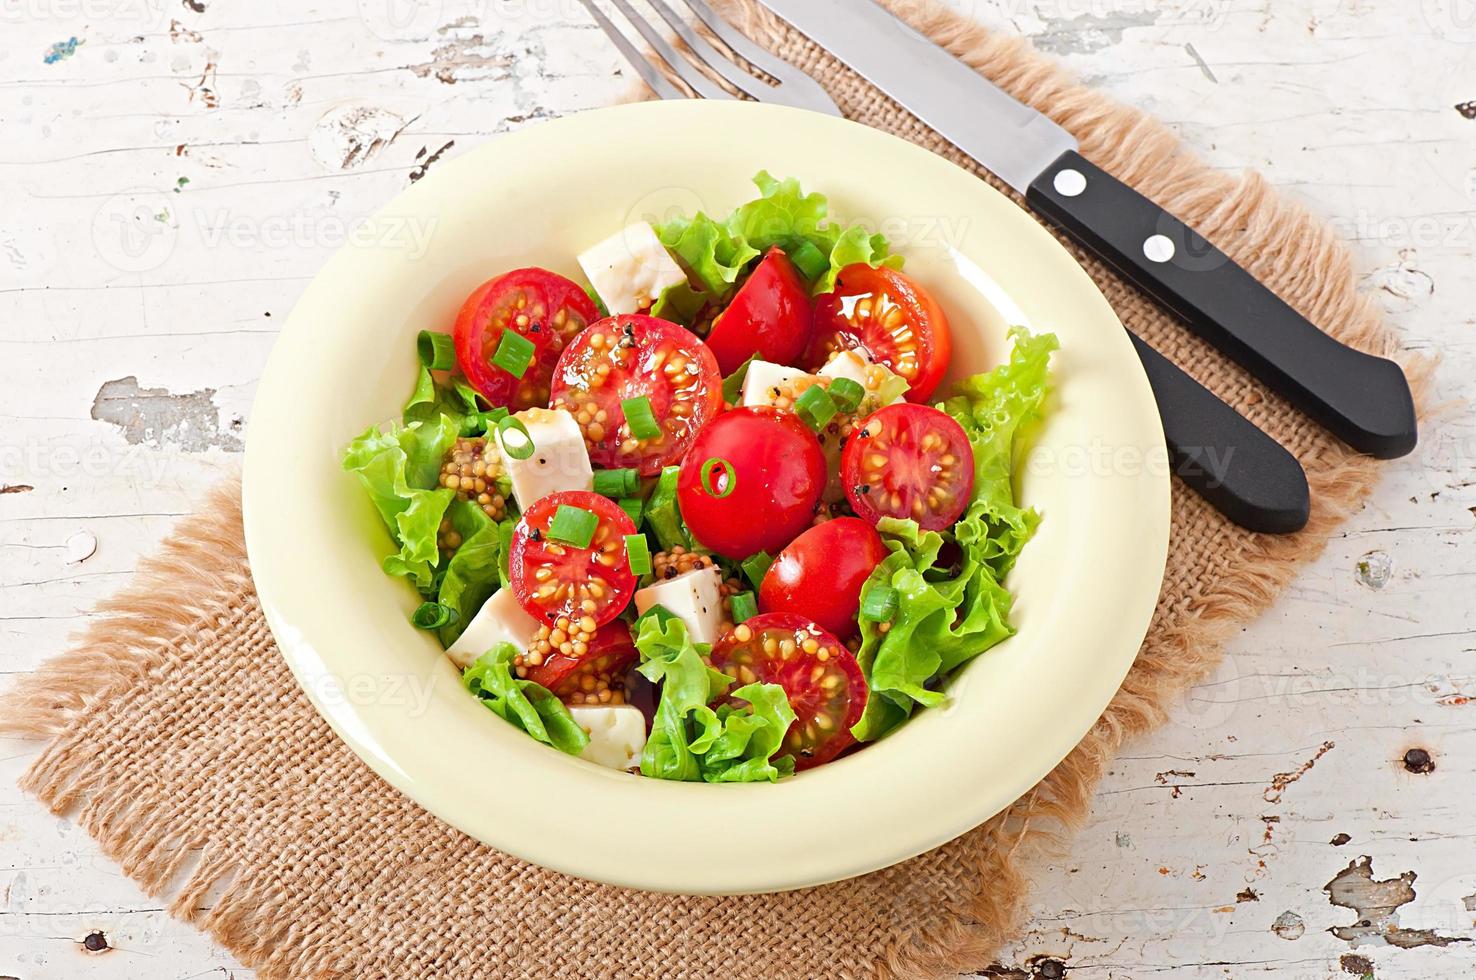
684,69
648,72
804,92
715,59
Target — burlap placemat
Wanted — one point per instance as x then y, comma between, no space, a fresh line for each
178,736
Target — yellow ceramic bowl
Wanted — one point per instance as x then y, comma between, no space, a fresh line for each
1086,585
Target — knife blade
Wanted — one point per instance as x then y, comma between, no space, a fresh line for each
1362,399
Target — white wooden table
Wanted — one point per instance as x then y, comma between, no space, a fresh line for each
169,183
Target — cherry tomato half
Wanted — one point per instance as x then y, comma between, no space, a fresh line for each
825,686
583,679
633,356
542,307
553,579
750,481
891,318
821,573
909,461
771,316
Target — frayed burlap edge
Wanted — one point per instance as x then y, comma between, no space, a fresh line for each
134,631
200,573
199,576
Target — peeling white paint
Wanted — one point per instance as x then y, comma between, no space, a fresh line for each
349,136
80,547
159,417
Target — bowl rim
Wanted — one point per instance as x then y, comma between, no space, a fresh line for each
900,828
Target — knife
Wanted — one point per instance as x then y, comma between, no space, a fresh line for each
1362,399
1242,472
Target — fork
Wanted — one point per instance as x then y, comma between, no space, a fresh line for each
790,86
1217,452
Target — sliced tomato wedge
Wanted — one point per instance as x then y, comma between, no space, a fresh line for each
771,316
633,356
889,317
540,306
596,677
825,686
572,589
909,461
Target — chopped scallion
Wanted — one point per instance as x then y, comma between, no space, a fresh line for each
846,394
514,437
756,566
638,553
433,616
573,525
514,353
481,422
639,417
634,507
729,477
816,407
617,483
879,604
437,350
744,607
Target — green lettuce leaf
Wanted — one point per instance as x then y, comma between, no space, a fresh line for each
523,703
684,725
997,411
717,253
691,741
945,617
949,613
712,256
400,469
682,303
473,572
743,752
784,215
431,400
852,247
788,217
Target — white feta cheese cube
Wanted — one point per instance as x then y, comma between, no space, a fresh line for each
500,620
695,598
631,269
766,383
616,735
847,364
883,386
560,460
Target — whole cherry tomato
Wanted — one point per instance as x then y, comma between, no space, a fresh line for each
821,573
751,481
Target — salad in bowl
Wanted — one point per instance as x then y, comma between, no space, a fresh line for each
708,516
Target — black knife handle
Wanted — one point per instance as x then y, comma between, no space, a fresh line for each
1243,473
1362,399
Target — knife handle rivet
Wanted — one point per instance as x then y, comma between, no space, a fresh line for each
1070,183
1159,248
